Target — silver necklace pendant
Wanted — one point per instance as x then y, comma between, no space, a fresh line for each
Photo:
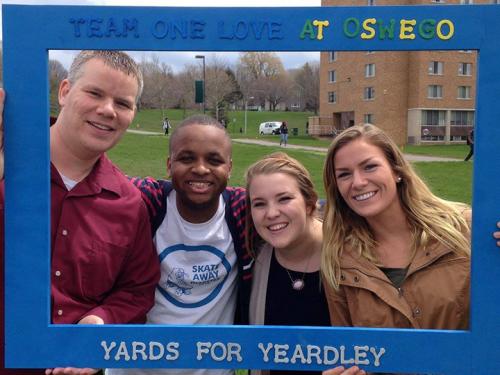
298,284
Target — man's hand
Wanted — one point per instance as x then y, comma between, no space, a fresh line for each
90,319
497,234
71,371
342,371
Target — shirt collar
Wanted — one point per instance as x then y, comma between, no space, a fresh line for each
104,176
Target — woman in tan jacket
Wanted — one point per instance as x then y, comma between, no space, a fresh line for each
394,254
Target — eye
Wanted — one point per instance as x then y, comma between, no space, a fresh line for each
370,167
94,93
342,175
257,204
185,159
216,161
125,105
285,199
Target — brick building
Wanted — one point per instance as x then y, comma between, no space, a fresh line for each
416,96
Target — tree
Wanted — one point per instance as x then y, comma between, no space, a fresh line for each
219,86
307,84
158,78
255,71
57,73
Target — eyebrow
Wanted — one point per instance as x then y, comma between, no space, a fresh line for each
363,162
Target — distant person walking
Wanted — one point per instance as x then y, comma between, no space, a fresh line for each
470,142
284,134
166,125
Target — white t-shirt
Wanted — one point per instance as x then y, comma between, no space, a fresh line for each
198,276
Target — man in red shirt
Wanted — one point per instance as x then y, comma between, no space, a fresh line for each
104,269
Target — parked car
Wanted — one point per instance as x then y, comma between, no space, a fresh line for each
270,127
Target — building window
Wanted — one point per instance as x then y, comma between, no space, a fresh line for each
433,118
370,70
495,1
436,67
462,118
464,69
435,91
368,118
463,92
332,76
438,1
466,2
332,56
332,97
369,93
370,2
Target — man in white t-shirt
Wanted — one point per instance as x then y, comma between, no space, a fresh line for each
198,226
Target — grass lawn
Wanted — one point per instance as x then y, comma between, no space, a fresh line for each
451,151
151,120
141,155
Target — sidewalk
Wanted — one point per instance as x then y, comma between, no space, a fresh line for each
409,157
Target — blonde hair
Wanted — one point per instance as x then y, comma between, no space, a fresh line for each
277,162
429,217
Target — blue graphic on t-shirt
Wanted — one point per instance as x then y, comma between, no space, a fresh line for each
176,279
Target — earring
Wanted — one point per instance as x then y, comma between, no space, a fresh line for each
399,179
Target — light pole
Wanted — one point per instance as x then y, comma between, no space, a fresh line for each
204,99
246,106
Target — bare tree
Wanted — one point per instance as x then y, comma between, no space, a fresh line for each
261,75
307,84
158,78
220,84
57,73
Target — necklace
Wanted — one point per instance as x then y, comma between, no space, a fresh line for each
299,283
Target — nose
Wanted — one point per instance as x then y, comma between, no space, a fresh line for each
272,211
107,108
358,179
200,168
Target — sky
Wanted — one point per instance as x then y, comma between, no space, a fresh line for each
178,60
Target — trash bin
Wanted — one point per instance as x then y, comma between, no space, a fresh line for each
295,131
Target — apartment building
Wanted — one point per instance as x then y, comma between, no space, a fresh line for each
416,96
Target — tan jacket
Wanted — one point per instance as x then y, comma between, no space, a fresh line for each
434,295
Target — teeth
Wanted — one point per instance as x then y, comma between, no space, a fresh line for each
277,226
199,184
100,126
364,196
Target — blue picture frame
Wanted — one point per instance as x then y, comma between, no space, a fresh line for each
31,341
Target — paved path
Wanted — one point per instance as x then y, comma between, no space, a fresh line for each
409,157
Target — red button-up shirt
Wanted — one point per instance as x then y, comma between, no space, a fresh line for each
103,261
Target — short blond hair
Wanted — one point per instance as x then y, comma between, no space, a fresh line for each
117,60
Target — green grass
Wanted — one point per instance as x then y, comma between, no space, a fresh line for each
140,155
151,120
448,180
451,151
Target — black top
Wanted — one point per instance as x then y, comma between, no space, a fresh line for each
396,275
288,307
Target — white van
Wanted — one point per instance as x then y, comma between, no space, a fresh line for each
270,127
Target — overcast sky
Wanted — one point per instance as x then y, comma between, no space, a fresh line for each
178,59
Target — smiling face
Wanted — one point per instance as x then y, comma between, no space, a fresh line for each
96,109
278,208
199,165
366,180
